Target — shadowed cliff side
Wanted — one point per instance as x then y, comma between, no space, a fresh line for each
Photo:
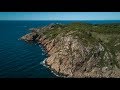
80,49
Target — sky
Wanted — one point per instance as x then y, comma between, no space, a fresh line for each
59,15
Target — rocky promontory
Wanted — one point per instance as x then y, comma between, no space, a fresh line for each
80,50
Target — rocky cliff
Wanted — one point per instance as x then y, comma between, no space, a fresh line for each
80,50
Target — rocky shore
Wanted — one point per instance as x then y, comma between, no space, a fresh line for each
77,53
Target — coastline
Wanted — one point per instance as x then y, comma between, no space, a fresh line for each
78,52
47,66
52,71
44,61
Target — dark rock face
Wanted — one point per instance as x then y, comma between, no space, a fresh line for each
69,56
30,37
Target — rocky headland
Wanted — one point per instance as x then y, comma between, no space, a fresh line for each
80,50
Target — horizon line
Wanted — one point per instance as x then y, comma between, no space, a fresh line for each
51,20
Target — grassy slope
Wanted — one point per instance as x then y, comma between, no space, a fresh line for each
106,34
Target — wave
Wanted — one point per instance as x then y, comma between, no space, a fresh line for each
52,71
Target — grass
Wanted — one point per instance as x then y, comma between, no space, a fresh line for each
92,34
82,27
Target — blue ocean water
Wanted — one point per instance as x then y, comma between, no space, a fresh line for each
22,60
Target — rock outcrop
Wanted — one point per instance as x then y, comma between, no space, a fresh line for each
77,53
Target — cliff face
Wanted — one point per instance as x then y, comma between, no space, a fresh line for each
76,52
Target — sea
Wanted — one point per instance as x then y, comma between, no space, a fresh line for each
19,59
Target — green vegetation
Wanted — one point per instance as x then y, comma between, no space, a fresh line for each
84,27
107,35
107,28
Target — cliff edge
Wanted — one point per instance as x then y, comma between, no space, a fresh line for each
79,49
